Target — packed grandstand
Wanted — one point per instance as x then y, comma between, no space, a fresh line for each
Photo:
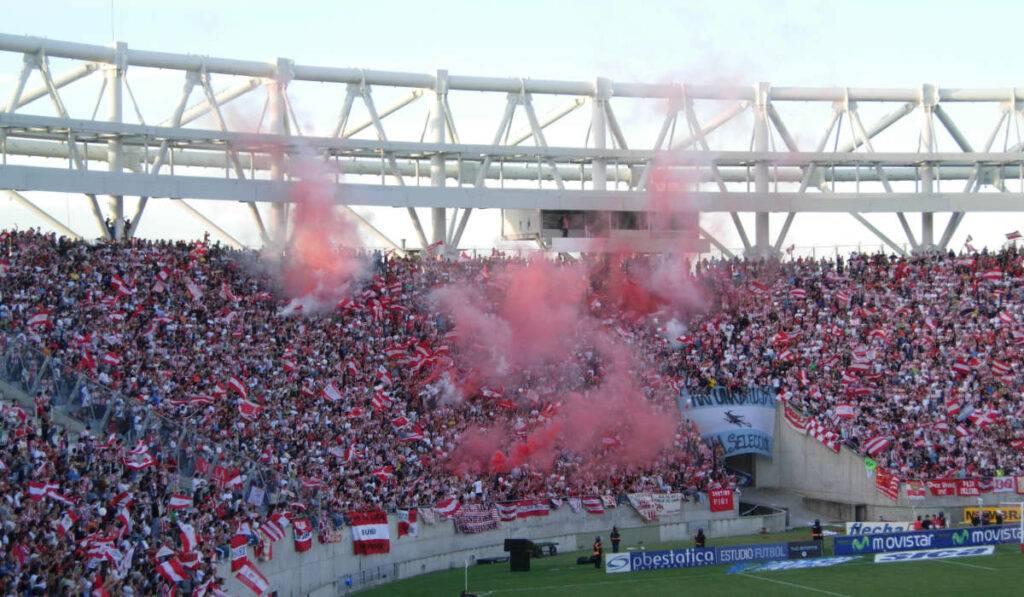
229,406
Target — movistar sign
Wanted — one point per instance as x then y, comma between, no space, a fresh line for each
890,542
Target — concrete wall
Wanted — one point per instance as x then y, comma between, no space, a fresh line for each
834,484
319,571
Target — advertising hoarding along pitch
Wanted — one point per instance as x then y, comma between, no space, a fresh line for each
944,538
636,561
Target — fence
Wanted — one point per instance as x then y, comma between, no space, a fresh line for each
103,411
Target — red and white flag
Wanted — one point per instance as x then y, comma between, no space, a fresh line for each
507,512
992,275
249,576
330,392
236,384
172,571
876,444
408,523
249,411
189,538
593,505
447,508
239,555
1015,235
39,319
370,533
845,411
193,289
179,502
798,294
66,522
384,473
37,490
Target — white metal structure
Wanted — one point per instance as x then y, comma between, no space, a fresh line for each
606,168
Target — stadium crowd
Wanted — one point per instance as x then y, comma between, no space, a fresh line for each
212,374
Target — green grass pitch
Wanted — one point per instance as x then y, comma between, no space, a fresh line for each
1001,574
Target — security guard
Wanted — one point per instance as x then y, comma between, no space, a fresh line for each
616,538
596,553
817,534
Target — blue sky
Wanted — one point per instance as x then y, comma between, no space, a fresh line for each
794,42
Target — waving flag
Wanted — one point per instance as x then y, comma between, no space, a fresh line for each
179,502
1015,235
447,508
249,576
845,411
236,384
330,392
876,445
189,538
172,571
249,411
384,473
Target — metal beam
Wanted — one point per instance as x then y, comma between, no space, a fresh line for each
415,95
276,192
718,245
885,239
202,108
38,211
67,78
548,120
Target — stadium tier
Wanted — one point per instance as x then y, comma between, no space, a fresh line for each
209,399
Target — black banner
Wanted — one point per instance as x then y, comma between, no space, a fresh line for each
804,549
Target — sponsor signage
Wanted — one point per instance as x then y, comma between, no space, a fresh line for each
870,528
636,561
935,554
1011,513
944,538
734,554
742,421
799,550
791,564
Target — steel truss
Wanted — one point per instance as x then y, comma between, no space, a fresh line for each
517,169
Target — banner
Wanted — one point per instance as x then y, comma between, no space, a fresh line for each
1012,513
370,534
872,528
735,554
636,561
968,488
652,505
720,499
475,518
887,484
943,538
1004,485
942,487
801,550
915,490
741,421
1020,484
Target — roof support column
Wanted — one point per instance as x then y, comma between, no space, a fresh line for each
599,132
277,113
929,99
762,242
436,134
115,153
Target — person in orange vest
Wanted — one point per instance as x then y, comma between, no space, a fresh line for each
596,553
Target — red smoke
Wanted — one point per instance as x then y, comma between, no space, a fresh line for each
527,328
321,259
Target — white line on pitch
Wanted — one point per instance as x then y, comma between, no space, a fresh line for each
966,564
792,584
